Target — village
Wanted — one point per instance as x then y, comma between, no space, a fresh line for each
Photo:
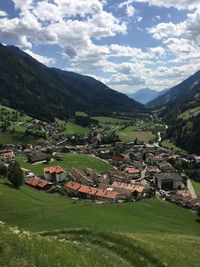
137,170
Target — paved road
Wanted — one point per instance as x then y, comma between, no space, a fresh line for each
191,189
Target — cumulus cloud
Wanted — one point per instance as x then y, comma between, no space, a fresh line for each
3,13
78,28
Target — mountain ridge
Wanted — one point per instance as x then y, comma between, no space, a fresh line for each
45,93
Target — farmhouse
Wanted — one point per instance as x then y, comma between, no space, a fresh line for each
54,173
38,183
168,181
38,156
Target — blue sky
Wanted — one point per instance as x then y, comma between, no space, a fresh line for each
127,44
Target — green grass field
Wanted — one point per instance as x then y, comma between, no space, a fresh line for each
24,208
129,134
145,233
72,128
111,120
189,113
70,160
196,186
81,114
169,145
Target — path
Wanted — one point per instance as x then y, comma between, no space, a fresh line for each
191,189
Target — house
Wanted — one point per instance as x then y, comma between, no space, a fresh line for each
38,183
85,191
168,181
104,154
133,172
111,196
81,177
197,159
151,170
54,173
38,157
7,156
128,187
166,167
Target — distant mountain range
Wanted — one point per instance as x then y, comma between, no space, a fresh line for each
45,93
145,95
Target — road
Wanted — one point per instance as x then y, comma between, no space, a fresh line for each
191,189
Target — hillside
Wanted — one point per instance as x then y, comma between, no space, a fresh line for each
119,232
179,107
47,93
178,93
145,95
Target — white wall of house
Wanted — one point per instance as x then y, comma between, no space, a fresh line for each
47,176
60,177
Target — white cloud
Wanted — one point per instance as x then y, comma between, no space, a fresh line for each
130,10
44,60
3,13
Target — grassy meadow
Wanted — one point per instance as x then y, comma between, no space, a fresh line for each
70,160
146,233
129,135
169,145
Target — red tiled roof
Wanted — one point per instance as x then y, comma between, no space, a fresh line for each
53,169
37,182
72,185
132,170
89,190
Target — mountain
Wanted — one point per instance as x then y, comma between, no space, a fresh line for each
180,108
45,93
177,93
145,95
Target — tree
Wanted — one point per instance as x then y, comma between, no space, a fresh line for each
15,175
3,170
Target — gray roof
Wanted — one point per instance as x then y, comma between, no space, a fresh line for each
168,176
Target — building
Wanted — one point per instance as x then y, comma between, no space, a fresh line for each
7,156
168,181
38,183
84,191
38,157
26,173
133,172
128,188
54,174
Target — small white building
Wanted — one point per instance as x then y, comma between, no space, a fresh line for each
54,174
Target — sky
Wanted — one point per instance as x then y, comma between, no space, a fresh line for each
128,44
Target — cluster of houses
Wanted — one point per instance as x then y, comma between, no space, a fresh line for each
182,200
136,168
